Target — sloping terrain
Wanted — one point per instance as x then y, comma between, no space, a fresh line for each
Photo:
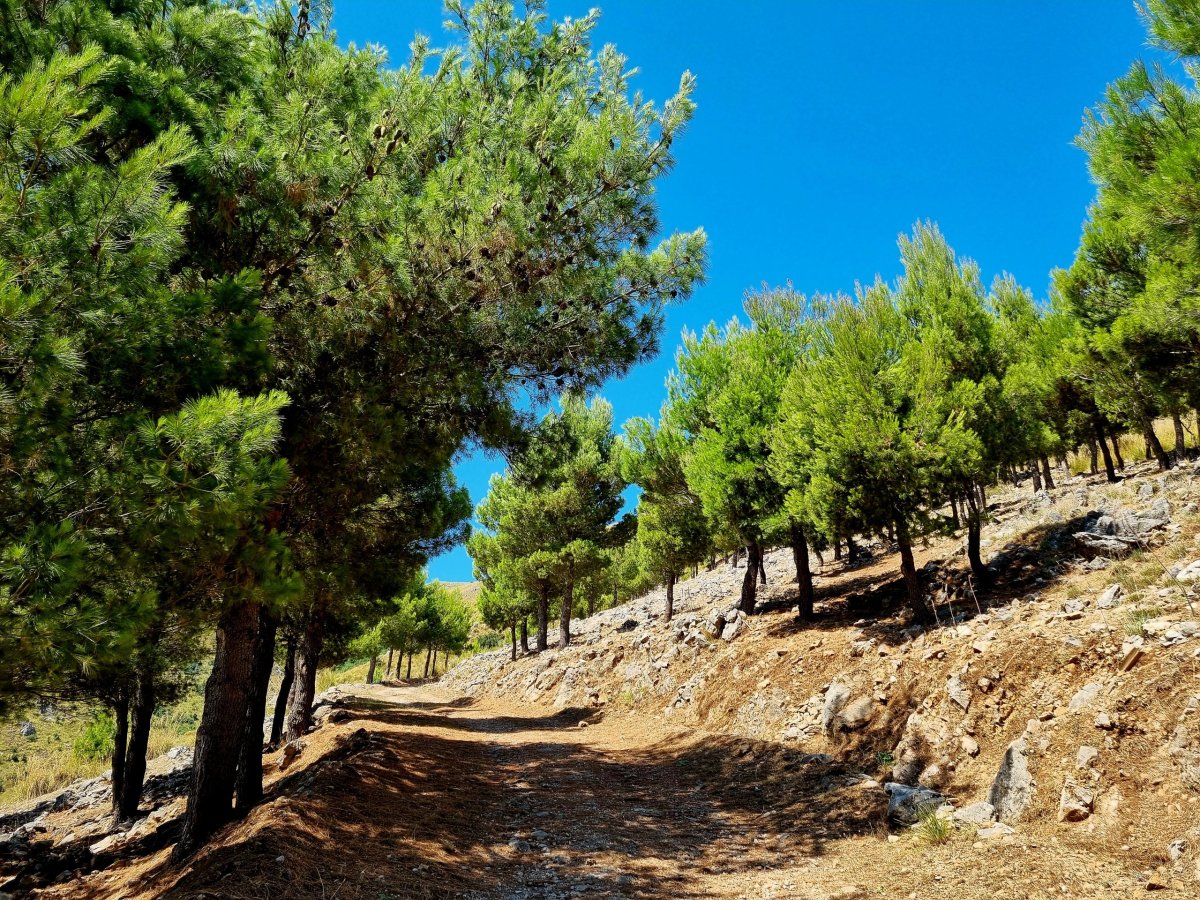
1054,719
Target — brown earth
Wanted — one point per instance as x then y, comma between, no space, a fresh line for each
424,795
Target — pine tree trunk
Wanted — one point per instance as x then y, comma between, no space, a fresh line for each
222,728
1180,442
141,716
837,550
670,595
428,659
304,682
1108,463
525,634
955,520
851,551
1095,455
120,710
371,669
249,785
1116,443
1046,474
543,617
387,674
974,525
1037,478
591,602
564,617
408,677
804,584
908,568
1146,445
762,566
281,699
750,580
513,630
1164,461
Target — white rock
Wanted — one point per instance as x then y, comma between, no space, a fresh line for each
1084,697
1085,756
1189,573
982,813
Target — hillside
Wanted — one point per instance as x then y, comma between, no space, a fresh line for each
656,760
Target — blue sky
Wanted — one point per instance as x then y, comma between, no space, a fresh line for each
824,130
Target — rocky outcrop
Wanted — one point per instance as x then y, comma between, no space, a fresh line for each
1012,789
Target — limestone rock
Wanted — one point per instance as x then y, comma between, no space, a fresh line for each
1075,802
836,698
1085,756
1110,597
1189,573
1012,789
906,804
982,813
1084,697
959,692
857,714
995,831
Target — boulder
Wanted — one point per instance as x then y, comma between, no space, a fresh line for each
733,628
836,698
921,745
982,813
906,804
1075,802
1012,788
715,624
857,713
28,730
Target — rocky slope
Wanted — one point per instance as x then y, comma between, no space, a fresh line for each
1064,702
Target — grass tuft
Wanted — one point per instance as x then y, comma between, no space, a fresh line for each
932,828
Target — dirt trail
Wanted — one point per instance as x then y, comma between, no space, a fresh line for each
422,794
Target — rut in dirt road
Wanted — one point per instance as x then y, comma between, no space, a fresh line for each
616,809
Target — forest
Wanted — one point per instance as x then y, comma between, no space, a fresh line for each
260,291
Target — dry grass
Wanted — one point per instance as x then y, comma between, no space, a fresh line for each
1133,446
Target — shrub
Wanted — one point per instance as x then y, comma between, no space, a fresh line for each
98,738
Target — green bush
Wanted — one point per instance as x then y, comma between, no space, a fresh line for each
98,739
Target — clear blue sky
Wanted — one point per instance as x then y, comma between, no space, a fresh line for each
826,129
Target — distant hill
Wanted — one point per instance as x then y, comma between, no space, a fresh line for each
468,590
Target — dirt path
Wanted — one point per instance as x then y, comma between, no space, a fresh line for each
423,795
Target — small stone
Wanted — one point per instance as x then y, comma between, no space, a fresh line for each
1110,597
1084,697
958,692
1085,756
969,745
1104,721
994,831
